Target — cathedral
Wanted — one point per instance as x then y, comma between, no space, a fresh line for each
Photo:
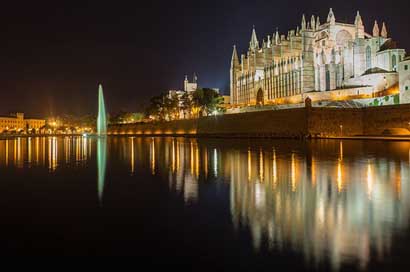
314,58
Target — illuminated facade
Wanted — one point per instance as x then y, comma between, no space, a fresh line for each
18,123
404,81
314,58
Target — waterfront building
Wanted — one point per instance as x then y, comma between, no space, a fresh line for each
16,122
315,58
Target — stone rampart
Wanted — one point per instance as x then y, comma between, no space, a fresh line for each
297,122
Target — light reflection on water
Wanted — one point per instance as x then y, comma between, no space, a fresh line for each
44,151
329,200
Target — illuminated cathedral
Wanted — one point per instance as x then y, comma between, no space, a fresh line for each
314,59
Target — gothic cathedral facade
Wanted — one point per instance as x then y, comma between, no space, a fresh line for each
313,58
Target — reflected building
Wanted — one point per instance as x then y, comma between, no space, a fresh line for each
44,151
331,201
352,208
181,161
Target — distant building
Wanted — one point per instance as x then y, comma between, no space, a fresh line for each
316,57
16,122
190,86
189,89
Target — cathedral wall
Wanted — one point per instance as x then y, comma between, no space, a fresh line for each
404,81
359,58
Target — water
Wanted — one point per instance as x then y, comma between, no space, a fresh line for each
209,203
101,119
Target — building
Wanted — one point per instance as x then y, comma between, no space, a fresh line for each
315,57
17,123
187,94
190,87
404,80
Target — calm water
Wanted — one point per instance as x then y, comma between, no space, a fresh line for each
250,204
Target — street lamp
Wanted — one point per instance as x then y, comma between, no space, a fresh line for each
341,130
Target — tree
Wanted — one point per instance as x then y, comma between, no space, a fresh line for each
124,117
207,100
155,108
186,104
171,106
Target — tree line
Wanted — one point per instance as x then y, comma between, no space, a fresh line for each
182,105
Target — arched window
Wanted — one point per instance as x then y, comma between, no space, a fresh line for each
394,62
342,38
368,58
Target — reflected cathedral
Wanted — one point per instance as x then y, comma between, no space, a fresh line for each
340,200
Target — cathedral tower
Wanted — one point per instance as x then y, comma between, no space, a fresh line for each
235,69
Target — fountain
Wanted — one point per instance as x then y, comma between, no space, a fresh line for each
101,143
101,119
101,165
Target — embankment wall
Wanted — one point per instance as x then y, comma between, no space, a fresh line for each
297,122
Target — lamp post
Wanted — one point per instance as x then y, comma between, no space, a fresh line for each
341,130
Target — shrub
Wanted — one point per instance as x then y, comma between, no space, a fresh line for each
396,99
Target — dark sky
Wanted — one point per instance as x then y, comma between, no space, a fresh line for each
54,53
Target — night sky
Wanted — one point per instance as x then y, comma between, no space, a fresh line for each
54,53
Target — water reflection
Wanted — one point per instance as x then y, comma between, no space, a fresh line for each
23,152
323,217
331,201
101,165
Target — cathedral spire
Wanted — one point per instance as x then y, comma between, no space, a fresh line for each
358,21
331,17
254,44
303,22
317,22
384,31
376,31
277,36
313,22
269,42
235,59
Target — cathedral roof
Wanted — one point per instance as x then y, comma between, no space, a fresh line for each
389,44
375,70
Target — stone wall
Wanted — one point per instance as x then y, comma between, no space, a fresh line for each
180,127
334,122
378,119
297,122
279,123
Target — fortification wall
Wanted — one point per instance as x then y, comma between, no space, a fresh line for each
279,123
298,122
180,127
378,119
334,122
